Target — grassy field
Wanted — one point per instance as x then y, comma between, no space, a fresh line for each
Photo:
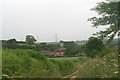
68,64
101,67
68,58
27,63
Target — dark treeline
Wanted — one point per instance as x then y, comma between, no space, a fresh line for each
91,48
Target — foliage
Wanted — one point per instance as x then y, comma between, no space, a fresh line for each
81,50
108,15
101,67
64,66
26,63
17,46
71,48
18,63
12,43
30,39
105,51
48,47
25,46
93,46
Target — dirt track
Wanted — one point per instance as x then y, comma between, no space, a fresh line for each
73,76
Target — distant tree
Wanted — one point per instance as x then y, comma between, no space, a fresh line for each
81,49
12,43
71,48
30,39
109,14
93,46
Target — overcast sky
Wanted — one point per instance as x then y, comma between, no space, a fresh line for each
45,18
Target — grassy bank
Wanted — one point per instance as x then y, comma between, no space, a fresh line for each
101,67
32,64
28,63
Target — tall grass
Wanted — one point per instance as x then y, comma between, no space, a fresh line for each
20,63
101,67
28,63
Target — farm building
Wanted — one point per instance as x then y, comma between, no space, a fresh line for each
56,53
59,52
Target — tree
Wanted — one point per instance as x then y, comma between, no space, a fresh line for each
71,48
12,44
109,14
30,39
93,46
13,41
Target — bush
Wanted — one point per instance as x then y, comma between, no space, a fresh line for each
93,46
19,62
100,67
104,52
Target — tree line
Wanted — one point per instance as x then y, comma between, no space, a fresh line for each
91,48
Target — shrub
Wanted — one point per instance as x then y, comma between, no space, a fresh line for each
93,46
100,67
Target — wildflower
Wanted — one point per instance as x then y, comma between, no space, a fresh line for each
4,75
109,65
113,60
97,64
116,72
116,65
20,76
96,75
93,67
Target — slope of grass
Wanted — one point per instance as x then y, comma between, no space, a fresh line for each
31,64
28,63
100,67
67,65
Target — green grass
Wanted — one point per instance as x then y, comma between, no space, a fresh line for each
28,63
100,67
68,65
67,58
